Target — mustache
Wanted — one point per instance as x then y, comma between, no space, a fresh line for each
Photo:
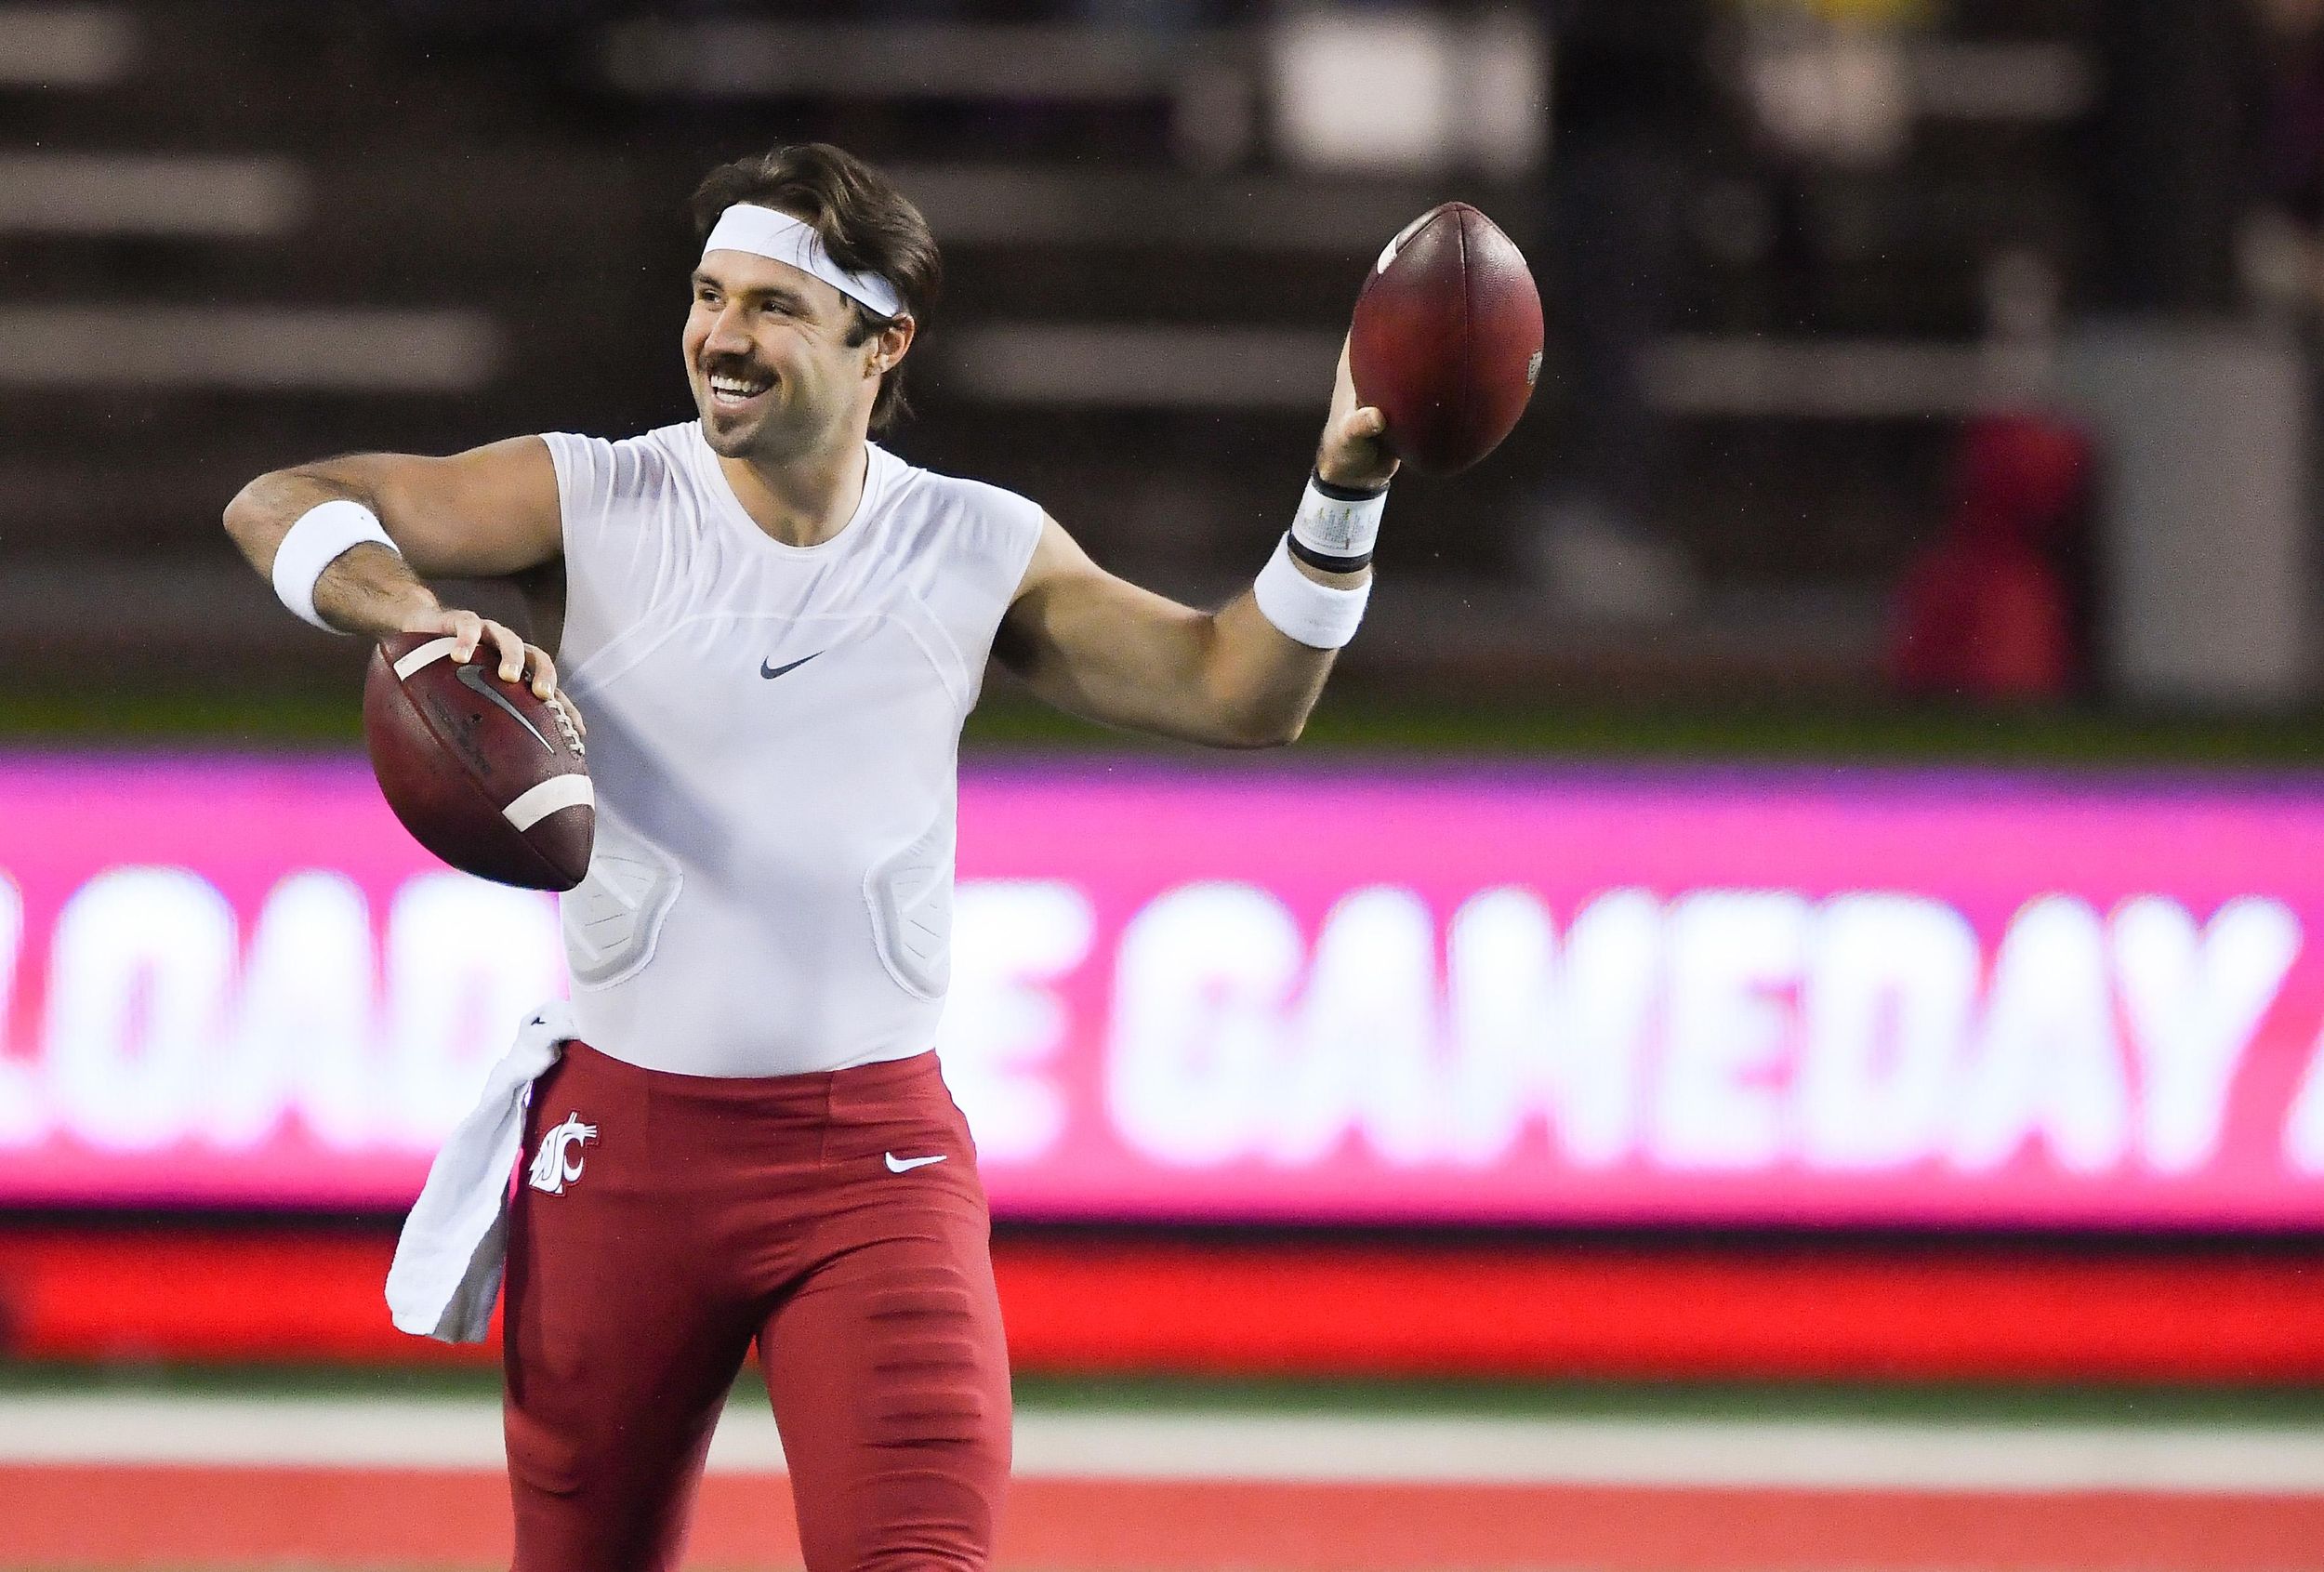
743,369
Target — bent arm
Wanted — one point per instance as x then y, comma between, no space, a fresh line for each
1106,650
486,512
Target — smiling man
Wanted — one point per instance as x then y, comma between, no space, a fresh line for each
776,628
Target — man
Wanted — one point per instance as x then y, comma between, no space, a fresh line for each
776,628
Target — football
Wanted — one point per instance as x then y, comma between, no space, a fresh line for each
1446,341
485,775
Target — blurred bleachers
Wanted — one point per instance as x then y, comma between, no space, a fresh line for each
237,233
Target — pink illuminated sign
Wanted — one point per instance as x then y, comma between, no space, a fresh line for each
1461,996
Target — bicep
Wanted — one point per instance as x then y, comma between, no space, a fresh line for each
1096,644
479,514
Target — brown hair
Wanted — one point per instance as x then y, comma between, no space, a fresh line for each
866,223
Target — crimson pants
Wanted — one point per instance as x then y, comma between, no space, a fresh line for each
674,1219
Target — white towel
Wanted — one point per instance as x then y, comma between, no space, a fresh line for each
447,1267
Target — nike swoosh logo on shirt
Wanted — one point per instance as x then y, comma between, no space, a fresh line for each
905,1165
766,670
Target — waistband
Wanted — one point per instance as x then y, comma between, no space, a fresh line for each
809,1092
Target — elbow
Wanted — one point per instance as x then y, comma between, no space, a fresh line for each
244,513
1252,735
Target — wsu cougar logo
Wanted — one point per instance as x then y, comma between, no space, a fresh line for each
556,1164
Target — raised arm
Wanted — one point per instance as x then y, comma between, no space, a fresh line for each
490,511
1102,648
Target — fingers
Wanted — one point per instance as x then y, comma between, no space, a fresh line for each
543,673
521,662
1355,450
497,639
435,619
469,633
572,711
1342,388
511,647
465,628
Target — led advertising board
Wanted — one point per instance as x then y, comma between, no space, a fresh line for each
1338,994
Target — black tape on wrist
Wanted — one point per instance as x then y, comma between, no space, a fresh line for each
1326,563
1346,494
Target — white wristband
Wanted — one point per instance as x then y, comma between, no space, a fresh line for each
1318,615
322,536
1338,533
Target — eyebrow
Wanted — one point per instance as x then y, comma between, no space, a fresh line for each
774,292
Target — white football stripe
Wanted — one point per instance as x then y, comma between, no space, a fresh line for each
552,795
427,654
1389,255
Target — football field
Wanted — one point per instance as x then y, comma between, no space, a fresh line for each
321,1474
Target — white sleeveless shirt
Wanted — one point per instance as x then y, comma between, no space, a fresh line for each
774,736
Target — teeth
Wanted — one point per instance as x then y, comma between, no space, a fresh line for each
738,390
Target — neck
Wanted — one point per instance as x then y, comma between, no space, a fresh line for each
802,501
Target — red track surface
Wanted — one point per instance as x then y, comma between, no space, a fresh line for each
132,1517
1522,1310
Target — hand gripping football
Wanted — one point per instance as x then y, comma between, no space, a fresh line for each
485,775
1446,341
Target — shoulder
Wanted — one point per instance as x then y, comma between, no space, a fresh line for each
605,470
972,513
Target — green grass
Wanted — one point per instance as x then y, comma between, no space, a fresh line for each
206,717
1699,1400
2301,1407
1789,734
301,717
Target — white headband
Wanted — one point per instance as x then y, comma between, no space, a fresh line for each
763,231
